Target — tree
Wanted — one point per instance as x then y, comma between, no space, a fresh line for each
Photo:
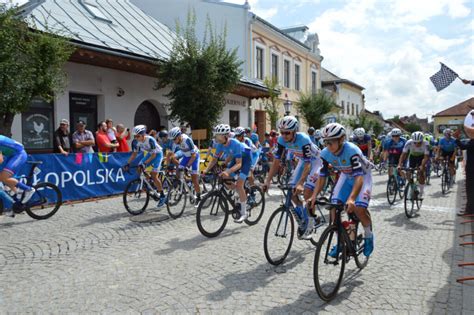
31,65
364,121
313,107
412,127
272,103
200,74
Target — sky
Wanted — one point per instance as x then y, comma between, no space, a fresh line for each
389,47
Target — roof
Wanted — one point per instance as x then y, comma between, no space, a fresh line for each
114,25
461,109
298,28
328,78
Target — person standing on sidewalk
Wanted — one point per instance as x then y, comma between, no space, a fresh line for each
468,145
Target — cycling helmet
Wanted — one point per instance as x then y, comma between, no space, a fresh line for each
311,130
248,130
333,131
417,136
359,132
239,131
318,134
288,123
139,130
175,132
396,132
231,134
381,137
267,134
222,129
163,134
447,131
254,137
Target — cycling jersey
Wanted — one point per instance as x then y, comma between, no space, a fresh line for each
148,145
9,147
167,145
363,143
447,145
393,147
187,146
302,147
413,150
350,161
233,148
14,155
318,142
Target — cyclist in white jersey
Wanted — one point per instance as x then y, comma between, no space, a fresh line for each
144,143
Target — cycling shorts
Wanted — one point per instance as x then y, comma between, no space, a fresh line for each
245,168
155,163
313,176
194,167
344,187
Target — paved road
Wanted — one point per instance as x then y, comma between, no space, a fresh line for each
91,258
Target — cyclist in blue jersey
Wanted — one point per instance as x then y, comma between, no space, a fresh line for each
393,149
240,154
240,133
190,158
363,141
447,150
354,186
13,157
145,143
306,172
164,141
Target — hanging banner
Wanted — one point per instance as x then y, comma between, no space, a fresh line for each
83,175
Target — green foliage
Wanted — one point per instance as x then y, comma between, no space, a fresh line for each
272,103
31,65
199,74
313,107
364,121
412,127
396,118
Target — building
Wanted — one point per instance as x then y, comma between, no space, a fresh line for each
422,122
290,55
112,72
452,117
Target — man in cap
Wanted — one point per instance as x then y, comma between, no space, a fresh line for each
83,139
62,138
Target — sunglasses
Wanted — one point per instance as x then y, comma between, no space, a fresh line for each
330,142
286,133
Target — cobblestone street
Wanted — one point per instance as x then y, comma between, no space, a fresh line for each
90,257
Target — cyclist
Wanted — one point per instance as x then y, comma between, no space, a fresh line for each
363,141
190,158
354,186
393,149
13,157
306,172
145,143
315,135
240,134
239,155
418,153
447,150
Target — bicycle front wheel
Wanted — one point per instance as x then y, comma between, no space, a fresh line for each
278,237
256,201
328,270
392,189
409,201
136,197
177,199
45,202
212,220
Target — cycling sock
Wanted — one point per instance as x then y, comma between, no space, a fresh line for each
243,206
162,194
22,186
367,231
422,188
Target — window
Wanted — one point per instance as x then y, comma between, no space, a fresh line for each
234,118
275,67
352,109
259,63
348,108
286,74
37,125
94,10
343,107
297,77
357,110
313,82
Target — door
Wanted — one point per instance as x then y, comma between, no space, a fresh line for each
147,115
83,107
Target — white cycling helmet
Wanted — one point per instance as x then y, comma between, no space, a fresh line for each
396,132
318,134
359,132
222,129
174,133
139,130
417,136
333,131
447,131
288,123
239,131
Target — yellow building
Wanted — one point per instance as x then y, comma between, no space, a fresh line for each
453,117
289,55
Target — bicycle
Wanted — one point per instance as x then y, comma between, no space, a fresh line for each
211,222
395,185
44,203
283,218
446,177
349,244
412,193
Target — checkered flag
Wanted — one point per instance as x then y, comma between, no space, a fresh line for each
443,77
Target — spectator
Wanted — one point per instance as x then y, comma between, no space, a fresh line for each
122,137
111,131
153,133
471,82
266,143
103,142
62,138
273,138
83,139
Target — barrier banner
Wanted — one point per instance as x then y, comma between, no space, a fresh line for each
83,175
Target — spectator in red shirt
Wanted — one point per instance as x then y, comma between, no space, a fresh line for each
122,137
273,138
102,139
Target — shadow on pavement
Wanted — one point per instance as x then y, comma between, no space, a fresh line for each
105,219
401,220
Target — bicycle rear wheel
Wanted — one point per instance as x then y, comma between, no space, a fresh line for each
256,202
360,259
278,237
45,202
409,201
212,220
177,199
444,182
136,197
328,271
392,189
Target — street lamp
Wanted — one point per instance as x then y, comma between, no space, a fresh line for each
287,105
